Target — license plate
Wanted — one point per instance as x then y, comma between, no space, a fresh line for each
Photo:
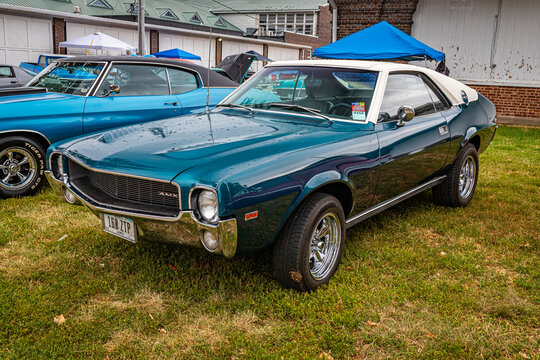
120,226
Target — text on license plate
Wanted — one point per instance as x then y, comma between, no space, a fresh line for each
120,226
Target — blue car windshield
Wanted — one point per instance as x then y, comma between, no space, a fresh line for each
335,92
69,78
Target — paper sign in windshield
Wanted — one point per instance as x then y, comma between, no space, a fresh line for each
359,111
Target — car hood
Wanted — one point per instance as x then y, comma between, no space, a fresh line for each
207,143
36,97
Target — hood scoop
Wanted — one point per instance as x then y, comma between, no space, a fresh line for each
111,136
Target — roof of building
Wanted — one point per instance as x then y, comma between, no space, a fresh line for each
451,87
196,12
216,79
257,6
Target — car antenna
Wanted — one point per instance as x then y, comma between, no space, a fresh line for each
208,78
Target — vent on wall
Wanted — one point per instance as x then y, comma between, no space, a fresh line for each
219,22
167,14
196,19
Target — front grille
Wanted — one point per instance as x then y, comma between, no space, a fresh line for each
125,192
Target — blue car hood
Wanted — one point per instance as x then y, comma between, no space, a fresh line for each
209,144
37,97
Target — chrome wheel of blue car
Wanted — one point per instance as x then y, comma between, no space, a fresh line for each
325,245
17,168
22,166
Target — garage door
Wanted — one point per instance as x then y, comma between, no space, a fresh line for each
23,39
277,53
192,44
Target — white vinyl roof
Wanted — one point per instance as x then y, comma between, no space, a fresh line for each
451,87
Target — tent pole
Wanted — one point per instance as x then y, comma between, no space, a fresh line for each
88,52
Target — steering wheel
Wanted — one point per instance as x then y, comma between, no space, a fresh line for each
347,109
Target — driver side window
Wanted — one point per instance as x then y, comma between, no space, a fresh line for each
135,80
405,89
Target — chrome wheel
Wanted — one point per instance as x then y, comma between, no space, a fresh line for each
467,177
17,168
324,247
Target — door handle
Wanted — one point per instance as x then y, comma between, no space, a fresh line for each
13,81
173,103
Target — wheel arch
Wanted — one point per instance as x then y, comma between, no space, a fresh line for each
471,136
34,135
332,183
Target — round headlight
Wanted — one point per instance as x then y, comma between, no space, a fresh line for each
208,205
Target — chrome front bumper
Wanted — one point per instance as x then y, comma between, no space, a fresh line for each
184,229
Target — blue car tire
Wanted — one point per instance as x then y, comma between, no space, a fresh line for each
308,251
458,188
22,166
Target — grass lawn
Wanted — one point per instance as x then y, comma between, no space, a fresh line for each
418,281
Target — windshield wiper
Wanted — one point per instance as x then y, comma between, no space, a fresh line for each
299,107
236,106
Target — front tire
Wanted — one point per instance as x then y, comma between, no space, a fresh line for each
458,188
310,246
22,166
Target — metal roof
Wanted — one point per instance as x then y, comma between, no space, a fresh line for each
157,9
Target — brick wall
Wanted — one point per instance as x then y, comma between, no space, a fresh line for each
324,26
324,31
356,15
512,100
59,35
154,41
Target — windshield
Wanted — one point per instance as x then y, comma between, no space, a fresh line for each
335,92
69,78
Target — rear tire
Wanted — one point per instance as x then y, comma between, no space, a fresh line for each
308,251
458,188
22,166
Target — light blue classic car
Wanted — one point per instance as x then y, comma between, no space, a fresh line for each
44,60
288,171
82,95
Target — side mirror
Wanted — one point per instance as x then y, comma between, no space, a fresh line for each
405,113
114,89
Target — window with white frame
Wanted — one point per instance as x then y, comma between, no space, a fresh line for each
276,24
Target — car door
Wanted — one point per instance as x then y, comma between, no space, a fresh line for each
188,89
7,77
129,94
187,86
412,151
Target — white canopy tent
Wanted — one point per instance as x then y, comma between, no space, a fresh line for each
98,41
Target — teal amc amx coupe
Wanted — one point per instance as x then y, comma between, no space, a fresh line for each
81,95
287,170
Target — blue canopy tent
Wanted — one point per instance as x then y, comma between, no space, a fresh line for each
380,41
176,54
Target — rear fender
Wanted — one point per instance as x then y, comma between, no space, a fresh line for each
480,136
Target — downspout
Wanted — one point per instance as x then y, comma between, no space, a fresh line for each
334,19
